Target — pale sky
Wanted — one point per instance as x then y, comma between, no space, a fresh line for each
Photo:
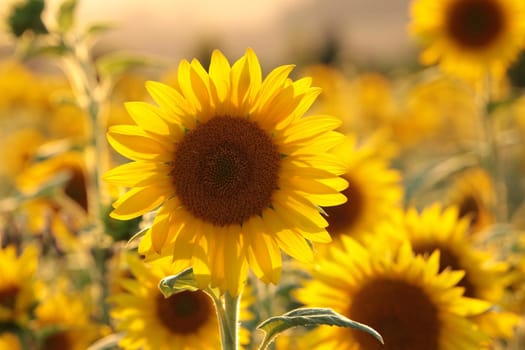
274,28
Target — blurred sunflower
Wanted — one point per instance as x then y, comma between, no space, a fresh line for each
469,38
46,217
374,192
236,170
22,89
70,165
399,294
335,97
9,341
440,229
365,104
150,321
472,191
18,286
31,99
429,112
58,216
65,317
17,150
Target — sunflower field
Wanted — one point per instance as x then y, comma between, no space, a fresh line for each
171,189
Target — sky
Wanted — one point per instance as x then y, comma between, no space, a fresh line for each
275,29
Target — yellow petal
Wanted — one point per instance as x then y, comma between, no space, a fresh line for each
147,117
290,242
298,209
307,100
199,260
136,144
264,251
200,84
272,84
235,261
240,83
328,163
255,73
185,84
159,233
138,201
175,106
309,127
138,174
219,75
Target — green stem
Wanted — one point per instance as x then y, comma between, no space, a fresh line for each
89,94
228,315
491,153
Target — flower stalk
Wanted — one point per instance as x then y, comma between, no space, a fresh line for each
489,152
228,315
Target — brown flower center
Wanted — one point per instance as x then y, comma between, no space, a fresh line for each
58,341
76,188
402,313
475,24
448,259
226,170
8,296
342,218
469,207
185,312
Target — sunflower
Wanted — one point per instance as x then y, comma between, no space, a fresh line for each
440,229
70,165
469,38
64,317
365,104
429,114
336,92
399,294
374,192
18,286
472,191
236,170
48,219
186,320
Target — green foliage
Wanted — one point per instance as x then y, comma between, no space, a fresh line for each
115,64
26,16
309,317
180,282
95,29
66,15
120,230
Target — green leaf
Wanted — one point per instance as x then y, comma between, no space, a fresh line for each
180,282
66,15
108,342
115,64
137,235
52,50
26,16
309,317
97,28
